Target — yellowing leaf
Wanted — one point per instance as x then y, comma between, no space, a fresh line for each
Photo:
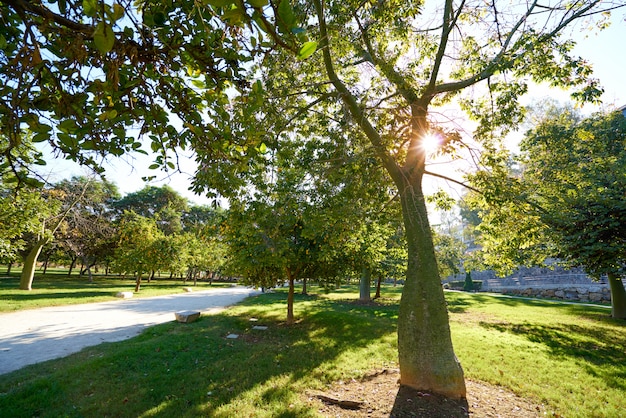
118,11
308,48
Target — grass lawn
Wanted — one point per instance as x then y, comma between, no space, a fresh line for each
570,358
56,288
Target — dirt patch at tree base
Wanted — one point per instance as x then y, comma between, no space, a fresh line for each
380,395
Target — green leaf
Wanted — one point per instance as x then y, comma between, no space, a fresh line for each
62,7
41,137
159,18
90,7
258,3
234,16
308,48
68,126
154,166
198,84
118,11
104,38
220,3
285,13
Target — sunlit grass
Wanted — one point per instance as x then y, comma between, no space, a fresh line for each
56,289
570,358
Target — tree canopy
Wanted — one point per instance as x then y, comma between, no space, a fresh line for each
570,206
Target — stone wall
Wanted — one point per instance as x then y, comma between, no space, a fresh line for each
556,283
583,293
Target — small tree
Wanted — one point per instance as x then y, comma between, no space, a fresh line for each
137,249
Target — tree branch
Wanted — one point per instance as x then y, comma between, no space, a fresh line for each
351,102
460,183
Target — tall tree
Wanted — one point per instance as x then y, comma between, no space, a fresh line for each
383,68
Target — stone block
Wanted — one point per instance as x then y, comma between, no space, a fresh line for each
124,295
559,294
187,316
595,297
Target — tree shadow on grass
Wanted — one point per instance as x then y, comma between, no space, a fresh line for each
600,350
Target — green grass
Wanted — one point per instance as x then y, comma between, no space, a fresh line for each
569,357
56,288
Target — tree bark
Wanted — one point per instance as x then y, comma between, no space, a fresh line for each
304,290
45,264
69,273
378,283
618,296
365,285
290,297
138,282
426,356
30,263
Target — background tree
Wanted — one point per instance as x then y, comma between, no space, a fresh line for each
88,231
163,204
138,247
570,204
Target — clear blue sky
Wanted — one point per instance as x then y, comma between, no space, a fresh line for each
606,50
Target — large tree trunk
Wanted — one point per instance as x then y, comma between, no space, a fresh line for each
30,263
365,285
618,296
426,356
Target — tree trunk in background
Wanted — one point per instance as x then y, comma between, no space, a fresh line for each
365,285
138,282
45,264
30,263
378,283
304,290
69,273
618,296
290,297
426,356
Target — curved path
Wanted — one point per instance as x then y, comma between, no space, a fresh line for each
33,336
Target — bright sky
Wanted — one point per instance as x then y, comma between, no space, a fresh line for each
606,50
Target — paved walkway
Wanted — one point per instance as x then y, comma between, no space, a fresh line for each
33,336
